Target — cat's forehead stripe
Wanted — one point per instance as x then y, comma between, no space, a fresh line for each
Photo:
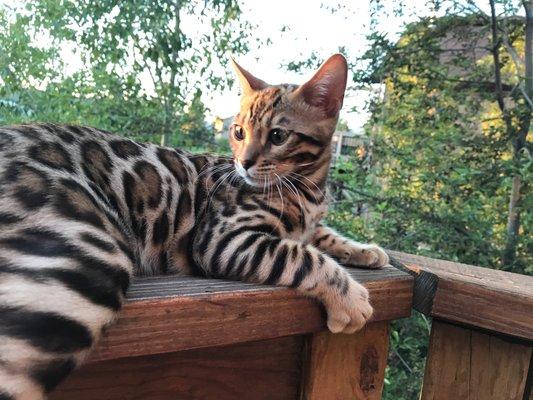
263,106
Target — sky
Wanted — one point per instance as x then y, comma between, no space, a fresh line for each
311,26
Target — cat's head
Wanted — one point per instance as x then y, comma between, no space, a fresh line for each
286,130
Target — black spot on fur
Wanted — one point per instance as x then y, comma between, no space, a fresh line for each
93,284
7,218
258,256
45,330
75,129
276,102
199,162
31,185
140,207
7,140
240,267
150,185
73,201
29,131
163,263
65,136
125,148
101,244
278,267
308,139
128,184
97,165
51,373
52,155
250,241
142,231
304,269
46,243
160,230
183,209
173,162
126,250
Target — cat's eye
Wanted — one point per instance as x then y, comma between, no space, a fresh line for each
278,136
238,132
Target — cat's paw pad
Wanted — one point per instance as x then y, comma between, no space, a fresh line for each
369,256
351,311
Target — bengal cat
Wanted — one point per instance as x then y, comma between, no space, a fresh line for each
83,210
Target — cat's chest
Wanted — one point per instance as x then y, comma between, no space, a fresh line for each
295,220
312,214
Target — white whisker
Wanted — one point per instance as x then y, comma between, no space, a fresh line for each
294,190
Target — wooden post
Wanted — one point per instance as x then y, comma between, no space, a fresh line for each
467,364
346,367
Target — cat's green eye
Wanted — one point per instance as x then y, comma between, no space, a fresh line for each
278,136
238,133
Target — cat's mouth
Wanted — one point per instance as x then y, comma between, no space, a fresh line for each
255,178
256,181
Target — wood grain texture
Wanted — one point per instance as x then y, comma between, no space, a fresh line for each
346,367
168,314
490,299
466,364
268,370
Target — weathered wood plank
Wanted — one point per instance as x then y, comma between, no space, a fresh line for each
467,364
490,299
346,367
168,314
268,370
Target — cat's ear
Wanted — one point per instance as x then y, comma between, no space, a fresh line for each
249,83
325,89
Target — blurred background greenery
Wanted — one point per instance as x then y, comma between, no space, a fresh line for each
436,159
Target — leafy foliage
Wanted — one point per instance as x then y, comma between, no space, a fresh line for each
443,155
143,64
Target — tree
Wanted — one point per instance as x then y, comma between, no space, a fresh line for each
451,161
518,116
143,61
22,63
450,135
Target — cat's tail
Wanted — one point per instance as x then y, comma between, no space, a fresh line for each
61,283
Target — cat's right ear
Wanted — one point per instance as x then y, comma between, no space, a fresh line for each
325,90
249,83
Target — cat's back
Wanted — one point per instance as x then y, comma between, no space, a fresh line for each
64,149
78,179
58,167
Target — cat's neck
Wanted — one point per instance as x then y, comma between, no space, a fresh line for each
312,182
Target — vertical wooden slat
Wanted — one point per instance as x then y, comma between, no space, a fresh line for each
528,394
346,367
467,364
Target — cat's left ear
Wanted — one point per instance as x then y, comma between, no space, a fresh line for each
249,83
325,89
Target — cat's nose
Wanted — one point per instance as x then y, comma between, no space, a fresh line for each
247,163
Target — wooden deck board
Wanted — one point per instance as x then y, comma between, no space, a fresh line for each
466,364
489,299
168,314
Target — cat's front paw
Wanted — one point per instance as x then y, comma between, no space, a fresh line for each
366,255
348,313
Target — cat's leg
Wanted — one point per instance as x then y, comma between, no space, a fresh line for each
254,256
349,252
61,282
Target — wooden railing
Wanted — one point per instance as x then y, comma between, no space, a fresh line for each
185,338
